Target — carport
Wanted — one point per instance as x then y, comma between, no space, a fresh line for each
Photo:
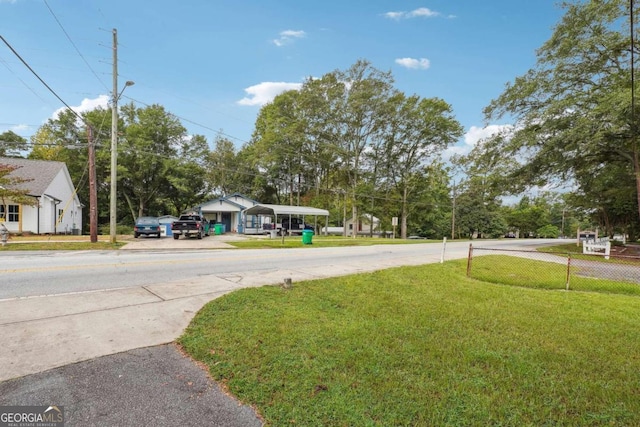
277,213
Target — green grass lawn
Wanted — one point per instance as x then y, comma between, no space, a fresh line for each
320,242
61,243
424,346
567,248
531,273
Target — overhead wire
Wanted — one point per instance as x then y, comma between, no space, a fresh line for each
74,45
40,78
193,122
217,132
6,65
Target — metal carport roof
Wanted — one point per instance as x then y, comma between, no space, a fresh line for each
260,209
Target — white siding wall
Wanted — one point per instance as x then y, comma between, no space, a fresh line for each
29,216
62,189
47,210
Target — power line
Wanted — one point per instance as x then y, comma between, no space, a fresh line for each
6,65
73,44
39,78
217,132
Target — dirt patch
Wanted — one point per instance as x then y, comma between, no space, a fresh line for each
632,251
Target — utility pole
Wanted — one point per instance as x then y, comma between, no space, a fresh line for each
93,191
113,200
114,144
453,213
636,154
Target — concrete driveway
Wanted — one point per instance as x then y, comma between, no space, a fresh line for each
168,242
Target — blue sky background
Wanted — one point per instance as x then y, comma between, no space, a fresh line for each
214,63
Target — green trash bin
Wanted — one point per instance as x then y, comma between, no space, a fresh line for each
307,237
218,229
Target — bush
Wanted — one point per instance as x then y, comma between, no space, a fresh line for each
548,232
105,229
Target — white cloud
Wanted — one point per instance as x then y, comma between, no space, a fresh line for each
477,134
394,15
456,150
288,36
264,92
413,63
19,128
85,105
421,12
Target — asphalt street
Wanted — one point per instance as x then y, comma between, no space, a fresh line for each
155,386
106,356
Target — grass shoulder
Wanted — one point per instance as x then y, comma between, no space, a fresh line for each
61,243
320,242
424,346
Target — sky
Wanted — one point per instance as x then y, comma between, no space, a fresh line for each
214,63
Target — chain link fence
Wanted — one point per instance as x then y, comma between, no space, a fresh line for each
561,271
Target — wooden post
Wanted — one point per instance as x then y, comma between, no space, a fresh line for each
578,237
93,192
469,258
568,271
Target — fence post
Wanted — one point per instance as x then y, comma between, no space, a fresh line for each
444,247
469,258
568,270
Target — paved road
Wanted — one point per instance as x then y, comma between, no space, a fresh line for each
53,342
47,273
155,386
86,307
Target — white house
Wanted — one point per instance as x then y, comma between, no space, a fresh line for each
58,209
367,224
227,210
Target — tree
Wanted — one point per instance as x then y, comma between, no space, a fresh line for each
12,189
65,139
186,179
12,144
223,167
278,138
429,210
153,149
418,130
573,110
361,120
528,217
548,232
476,213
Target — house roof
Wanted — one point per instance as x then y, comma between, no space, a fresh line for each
40,173
236,196
261,209
220,205
215,205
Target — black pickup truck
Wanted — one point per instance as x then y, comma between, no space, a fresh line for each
190,225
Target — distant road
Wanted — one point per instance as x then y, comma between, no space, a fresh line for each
25,274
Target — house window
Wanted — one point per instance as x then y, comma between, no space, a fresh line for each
60,214
13,214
